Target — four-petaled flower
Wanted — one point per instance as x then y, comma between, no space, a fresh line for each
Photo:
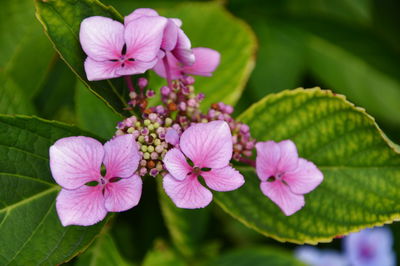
205,150
115,50
206,61
174,39
86,195
370,247
284,176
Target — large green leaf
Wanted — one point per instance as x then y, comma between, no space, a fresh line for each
61,20
12,98
104,252
25,50
256,256
30,230
361,168
186,227
93,114
210,25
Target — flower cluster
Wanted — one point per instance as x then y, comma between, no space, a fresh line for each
370,247
174,140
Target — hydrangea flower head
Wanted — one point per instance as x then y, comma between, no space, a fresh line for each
205,150
76,162
370,247
315,257
284,176
206,61
115,49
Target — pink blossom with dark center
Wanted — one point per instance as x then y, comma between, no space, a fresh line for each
285,177
205,150
206,61
86,195
115,50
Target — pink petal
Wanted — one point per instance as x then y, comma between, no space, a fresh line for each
223,179
172,137
281,195
182,50
188,193
288,156
81,206
136,67
175,68
177,21
74,161
170,36
305,178
123,194
208,144
268,155
140,12
176,164
143,38
121,156
96,70
102,38
206,61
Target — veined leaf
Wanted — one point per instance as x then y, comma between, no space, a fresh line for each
61,20
103,252
93,114
25,50
29,226
361,168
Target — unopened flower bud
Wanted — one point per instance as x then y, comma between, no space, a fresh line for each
142,82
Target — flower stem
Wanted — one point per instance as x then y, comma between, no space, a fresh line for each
167,71
129,83
248,161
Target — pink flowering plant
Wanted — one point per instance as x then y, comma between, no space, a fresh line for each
168,143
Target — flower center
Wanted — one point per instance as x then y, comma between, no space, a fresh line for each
196,171
366,252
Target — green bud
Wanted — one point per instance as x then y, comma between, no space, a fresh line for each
146,155
146,122
157,142
138,124
150,148
141,139
144,148
130,130
150,127
156,125
168,122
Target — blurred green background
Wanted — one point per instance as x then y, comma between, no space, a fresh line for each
349,46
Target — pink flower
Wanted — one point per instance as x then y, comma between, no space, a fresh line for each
76,161
206,150
116,50
206,61
174,39
284,176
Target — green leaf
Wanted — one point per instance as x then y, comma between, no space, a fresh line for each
186,227
361,168
256,256
210,25
93,114
103,252
12,99
61,20
56,97
30,230
162,255
25,50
